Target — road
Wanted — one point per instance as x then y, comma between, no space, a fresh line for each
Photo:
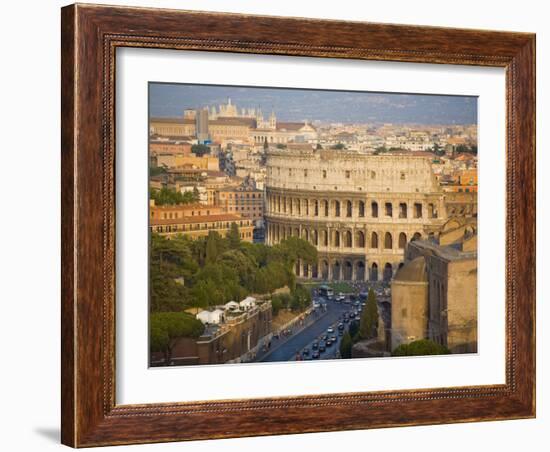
287,351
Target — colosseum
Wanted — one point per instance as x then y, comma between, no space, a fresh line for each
358,210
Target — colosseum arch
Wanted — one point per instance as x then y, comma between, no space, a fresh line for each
402,240
315,237
374,272
388,272
324,206
388,241
361,208
347,239
324,238
374,240
314,271
374,209
349,208
360,239
336,270
360,271
336,208
336,240
348,270
324,269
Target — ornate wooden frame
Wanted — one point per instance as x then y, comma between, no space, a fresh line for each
90,36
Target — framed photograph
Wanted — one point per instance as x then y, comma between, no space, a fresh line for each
280,225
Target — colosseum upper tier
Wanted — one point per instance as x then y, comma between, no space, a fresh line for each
358,210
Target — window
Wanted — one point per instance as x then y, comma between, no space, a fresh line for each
417,210
374,209
361,208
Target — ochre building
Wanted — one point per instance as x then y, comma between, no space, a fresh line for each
359,211
196,220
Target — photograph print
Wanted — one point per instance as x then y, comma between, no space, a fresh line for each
304,225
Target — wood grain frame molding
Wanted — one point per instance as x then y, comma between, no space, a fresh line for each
90,36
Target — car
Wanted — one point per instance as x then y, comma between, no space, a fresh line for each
330,330
315,345
315,355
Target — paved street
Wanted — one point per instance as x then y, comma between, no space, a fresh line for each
287,351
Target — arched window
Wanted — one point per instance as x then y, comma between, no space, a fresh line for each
374,209
347,239
348,208
361,208
388,242
360,239
402,240
374,240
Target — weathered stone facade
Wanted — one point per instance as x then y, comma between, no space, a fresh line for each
359,210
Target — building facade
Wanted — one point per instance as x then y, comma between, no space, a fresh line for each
359,211
434,295
196,220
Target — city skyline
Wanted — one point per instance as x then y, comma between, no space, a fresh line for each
289,104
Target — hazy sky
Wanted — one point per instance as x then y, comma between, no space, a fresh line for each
330,106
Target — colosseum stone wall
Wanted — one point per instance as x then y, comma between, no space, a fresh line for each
358,210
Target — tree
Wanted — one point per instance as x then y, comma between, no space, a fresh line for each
353,330
276,306
213,246
234,236
200,150
369,317
167,327
167,196
345,346
421,347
